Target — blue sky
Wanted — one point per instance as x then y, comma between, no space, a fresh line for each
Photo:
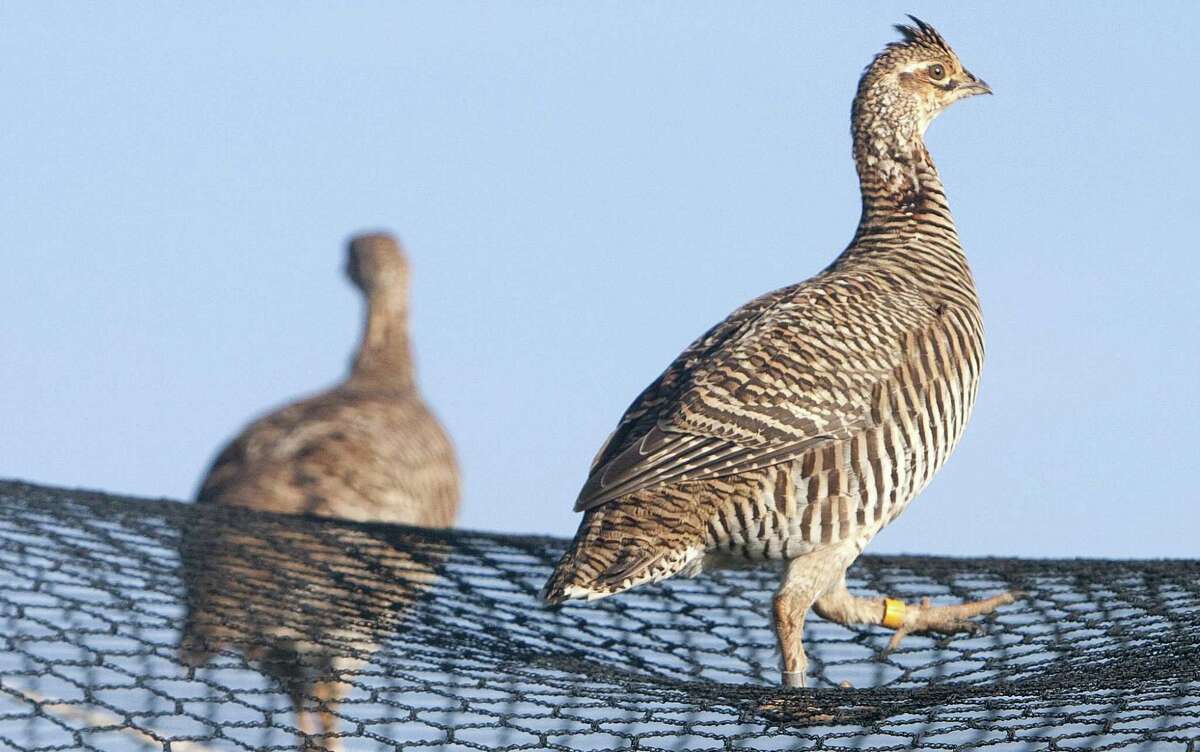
583,188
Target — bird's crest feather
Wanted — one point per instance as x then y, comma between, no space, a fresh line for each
921,34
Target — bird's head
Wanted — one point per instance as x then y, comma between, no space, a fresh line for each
375,263
911,81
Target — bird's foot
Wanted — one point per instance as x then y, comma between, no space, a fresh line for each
808,709
925,617
791,711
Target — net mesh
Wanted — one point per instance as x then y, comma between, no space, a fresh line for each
129,624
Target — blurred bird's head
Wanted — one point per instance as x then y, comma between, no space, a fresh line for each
914,79
376,264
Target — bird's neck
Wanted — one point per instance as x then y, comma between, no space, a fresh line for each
906,223
384,358
895,171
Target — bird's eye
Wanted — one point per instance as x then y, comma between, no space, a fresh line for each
937,72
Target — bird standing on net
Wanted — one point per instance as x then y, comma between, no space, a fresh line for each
366,450
807,420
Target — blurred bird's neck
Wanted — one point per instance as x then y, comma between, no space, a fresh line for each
384,358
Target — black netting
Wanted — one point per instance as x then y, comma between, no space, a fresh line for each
437,640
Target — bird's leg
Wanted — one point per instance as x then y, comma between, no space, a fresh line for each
838,605
328,695
792,601
789,610
303,721
925,617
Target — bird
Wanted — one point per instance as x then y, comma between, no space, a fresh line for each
798,427
365,450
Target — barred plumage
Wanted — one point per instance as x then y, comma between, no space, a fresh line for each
802,424
366,450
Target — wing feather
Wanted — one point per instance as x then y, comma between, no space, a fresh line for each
786,372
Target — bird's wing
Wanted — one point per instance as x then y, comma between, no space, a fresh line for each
655,400
788,371
253,446
338,453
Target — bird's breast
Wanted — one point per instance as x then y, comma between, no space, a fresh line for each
848,489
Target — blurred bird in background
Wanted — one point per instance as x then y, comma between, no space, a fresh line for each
798,427
298,603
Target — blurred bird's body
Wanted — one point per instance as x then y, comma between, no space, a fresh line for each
802,424
366,450
352,453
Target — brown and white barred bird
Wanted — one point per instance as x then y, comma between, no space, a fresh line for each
367,449
807,420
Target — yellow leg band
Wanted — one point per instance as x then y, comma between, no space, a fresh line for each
893,613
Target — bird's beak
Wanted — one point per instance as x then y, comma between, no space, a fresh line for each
972,85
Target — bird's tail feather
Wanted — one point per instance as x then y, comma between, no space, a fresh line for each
618,547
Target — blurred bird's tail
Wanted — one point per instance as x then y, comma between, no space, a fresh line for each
194,649
622,545
203,635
